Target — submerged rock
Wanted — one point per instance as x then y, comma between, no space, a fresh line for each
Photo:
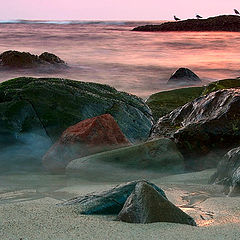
184,76
228,172
160,155
107,202
204,129
87,137
146,205
42,108
229,23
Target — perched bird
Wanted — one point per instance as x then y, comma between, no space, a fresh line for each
176,18
236,11
198,16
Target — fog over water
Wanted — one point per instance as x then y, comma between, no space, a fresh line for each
109,53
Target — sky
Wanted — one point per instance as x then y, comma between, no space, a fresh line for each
113,9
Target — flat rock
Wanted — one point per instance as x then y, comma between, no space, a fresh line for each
85,138
146,205
107,202
230,23
204,129
159,155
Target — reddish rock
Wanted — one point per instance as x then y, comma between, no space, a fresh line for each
85,138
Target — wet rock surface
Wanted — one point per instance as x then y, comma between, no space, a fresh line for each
146,205
204,129
107,202
229,23
87,137
228,172
184,76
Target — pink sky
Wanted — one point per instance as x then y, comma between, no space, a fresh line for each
113,9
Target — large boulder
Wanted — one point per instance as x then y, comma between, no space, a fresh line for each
159,155
228,172
16,59
107,202
35,111
146,205
184,76
229,23
162,103
85,138
204,129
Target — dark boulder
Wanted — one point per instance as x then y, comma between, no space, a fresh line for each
229,23
184,76
228,172
51,58
107,202
204,129
87,137
42,108
146,205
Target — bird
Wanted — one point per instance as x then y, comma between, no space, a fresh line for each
198,16
176,18
236,11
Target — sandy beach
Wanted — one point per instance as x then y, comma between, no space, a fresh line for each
29,210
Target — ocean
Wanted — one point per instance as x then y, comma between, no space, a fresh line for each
108,52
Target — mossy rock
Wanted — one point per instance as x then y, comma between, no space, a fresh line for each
222,84
163,103
45,107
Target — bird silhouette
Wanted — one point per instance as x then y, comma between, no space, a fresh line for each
198,16
176,18
236,11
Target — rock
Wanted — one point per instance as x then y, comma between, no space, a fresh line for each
16,59
107,202
230,23
204,129
164,102
184,76
51,58
42,108
146,205
87,137
160,155
228,172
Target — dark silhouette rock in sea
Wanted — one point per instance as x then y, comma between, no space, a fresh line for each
228,172
160,155
146,205
230,23
184,76
204,129
34,112
16,59
108,202
87,137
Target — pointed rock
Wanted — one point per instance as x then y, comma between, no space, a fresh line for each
146,205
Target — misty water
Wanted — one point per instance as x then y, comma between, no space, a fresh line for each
109,53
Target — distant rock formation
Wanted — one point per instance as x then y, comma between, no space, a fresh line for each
146,205
204,129
184,76
230,23
87,137
228,172
16,59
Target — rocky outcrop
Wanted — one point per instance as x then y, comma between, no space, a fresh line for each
184,76
230,23
204,129
107,202
16,59
228,172
87,137
36,111
160,155
146,205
